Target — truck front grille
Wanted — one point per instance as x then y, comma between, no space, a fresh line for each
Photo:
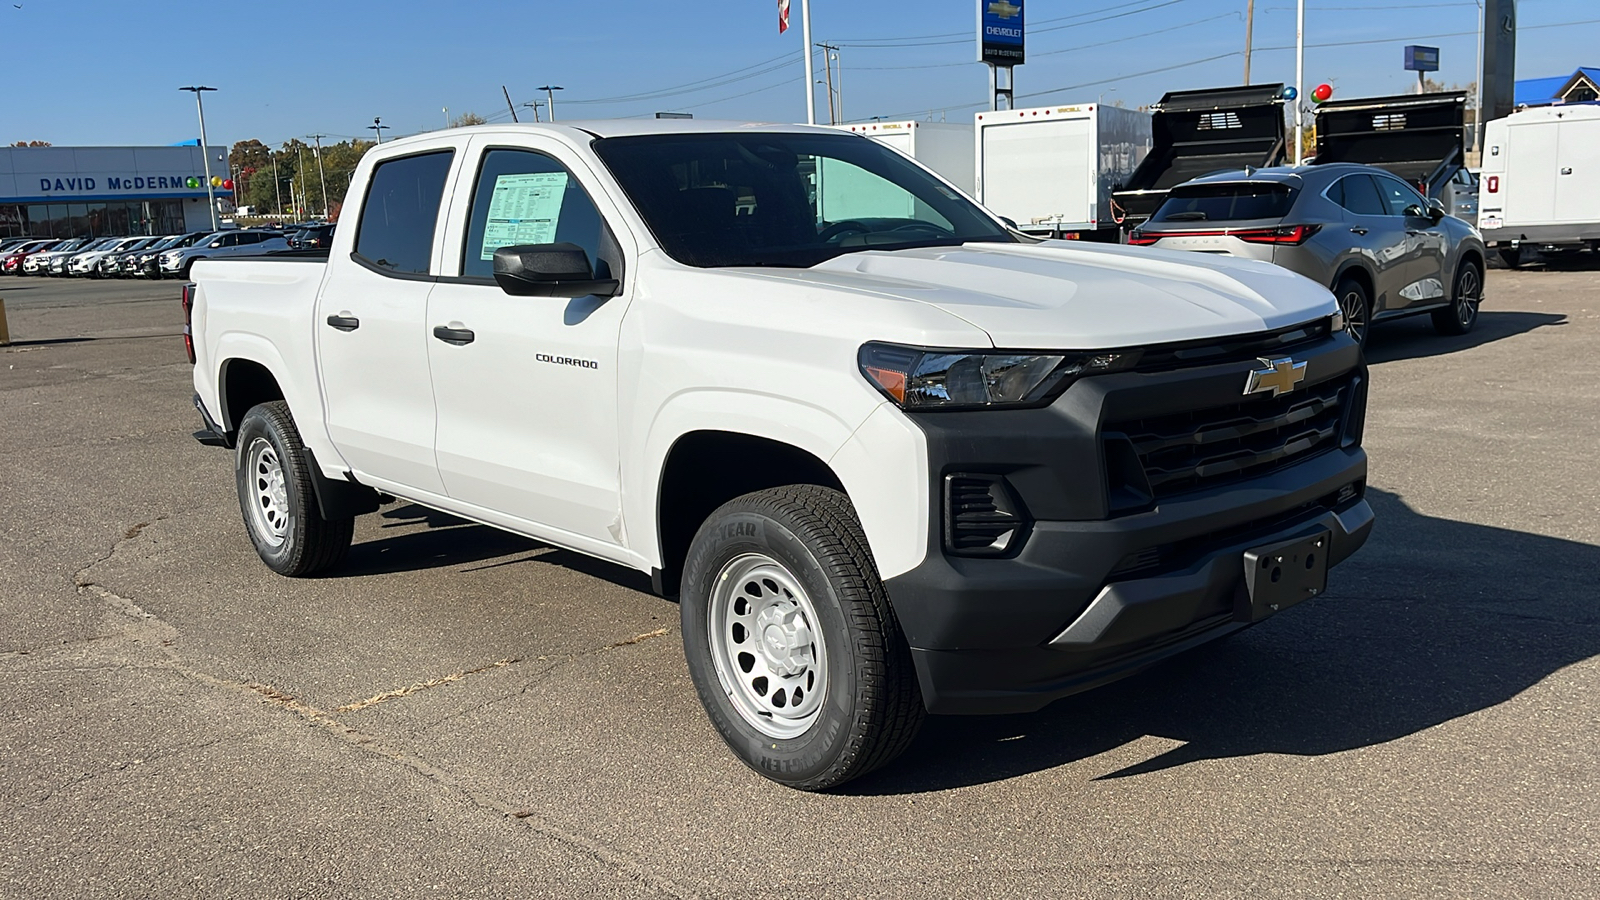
1205,448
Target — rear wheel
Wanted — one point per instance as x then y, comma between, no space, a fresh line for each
272,472
789,636
1357,308
1462,313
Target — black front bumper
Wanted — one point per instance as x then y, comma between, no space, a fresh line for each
1097,591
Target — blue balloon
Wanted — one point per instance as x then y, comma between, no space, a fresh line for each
1289,93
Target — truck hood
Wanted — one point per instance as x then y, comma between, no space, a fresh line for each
1072,296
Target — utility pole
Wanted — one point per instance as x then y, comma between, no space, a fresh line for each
1299,73
322,176
1249,27
508,102
377,127
535,105
811,72
277,186
827,62
550,103
205,151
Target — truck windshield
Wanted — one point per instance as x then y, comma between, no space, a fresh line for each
1230,202
792,200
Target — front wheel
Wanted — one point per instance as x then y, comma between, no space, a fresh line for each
789,636
272,472
1462,313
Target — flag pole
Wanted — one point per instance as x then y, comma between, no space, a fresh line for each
811,92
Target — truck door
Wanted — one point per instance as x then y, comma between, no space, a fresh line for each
1529,184
527,386
1578,171
370,325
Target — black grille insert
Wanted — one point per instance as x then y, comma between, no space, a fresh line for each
982,516
1209,447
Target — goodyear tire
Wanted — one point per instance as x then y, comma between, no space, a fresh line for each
272,472
793,647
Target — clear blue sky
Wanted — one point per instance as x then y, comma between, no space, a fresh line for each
101,72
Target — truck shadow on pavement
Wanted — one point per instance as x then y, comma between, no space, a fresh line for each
1414,337
1431,621
448,540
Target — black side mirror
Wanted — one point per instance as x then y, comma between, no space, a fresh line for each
549,270
1435,208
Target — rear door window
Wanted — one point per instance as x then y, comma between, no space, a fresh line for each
401,211
1359,195
1226,202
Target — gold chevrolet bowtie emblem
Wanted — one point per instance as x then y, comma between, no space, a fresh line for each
1280,376
1004,9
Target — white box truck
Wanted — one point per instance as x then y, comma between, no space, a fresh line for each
1052,169
849,193
1540,183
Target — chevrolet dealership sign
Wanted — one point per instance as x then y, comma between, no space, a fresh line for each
1000,32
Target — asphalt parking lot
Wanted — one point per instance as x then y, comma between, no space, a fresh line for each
463,713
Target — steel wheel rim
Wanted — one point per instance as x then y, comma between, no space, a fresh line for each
767,646
1468,296
268,494
1355,314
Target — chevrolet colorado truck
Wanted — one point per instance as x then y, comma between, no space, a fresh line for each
896,462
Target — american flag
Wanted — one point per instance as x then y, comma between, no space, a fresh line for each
783,16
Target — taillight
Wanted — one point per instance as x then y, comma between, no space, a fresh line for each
188,316
1140,239
1283,234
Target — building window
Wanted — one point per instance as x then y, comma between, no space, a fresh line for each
1582,92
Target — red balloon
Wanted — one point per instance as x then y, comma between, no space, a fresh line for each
227,184
1323,92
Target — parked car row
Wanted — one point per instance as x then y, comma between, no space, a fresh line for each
158,256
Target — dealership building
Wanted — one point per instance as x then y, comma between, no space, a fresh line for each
92,191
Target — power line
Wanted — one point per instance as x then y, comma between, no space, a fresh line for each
1131,37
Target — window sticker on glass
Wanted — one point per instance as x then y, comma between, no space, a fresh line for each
524,209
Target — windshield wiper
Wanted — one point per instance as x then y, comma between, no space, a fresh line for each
1193,216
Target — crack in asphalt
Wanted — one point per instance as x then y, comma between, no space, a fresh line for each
413,688
617,861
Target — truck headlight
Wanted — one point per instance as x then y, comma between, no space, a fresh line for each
926,379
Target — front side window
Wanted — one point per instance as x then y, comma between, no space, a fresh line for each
786,199
1398,196
523,198
401,212
1229,202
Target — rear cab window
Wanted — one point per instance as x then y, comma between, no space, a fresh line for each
1226,202
401,211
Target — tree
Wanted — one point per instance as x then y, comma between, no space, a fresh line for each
32,144
468,118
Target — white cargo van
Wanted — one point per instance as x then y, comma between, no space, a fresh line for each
1051,170
1540,184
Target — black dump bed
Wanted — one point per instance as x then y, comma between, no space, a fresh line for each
1419,137
1199,132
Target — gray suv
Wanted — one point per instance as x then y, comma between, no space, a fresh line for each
1381,248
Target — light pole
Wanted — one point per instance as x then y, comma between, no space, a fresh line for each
534,104
1477,112
1299,72
322,175
550,103
447,117
377,127
205,151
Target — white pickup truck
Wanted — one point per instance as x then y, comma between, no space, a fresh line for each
888,464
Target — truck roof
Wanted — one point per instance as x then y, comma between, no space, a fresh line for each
605,128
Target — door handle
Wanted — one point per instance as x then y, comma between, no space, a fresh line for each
344,323
457,336
1358,230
